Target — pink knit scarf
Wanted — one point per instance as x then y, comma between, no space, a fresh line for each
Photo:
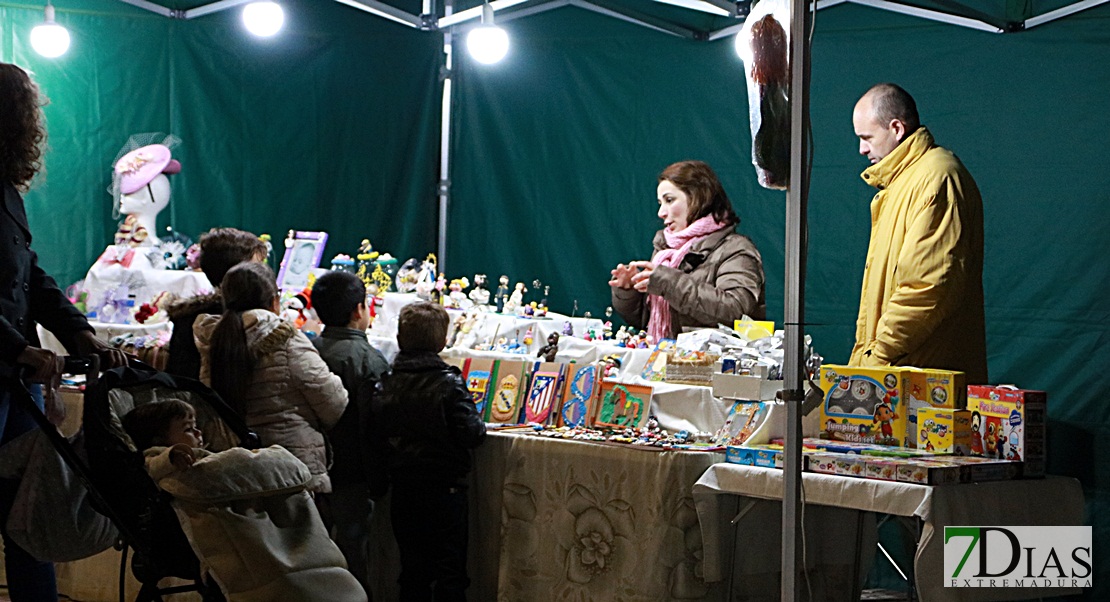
679,243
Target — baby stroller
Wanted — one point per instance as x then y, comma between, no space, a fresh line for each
115,475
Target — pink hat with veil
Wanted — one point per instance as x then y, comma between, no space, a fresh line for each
138,167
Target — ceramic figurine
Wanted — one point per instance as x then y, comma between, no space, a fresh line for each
456,298
547,352
528,337
568,329
607,331
479,294
502,294
408,275
516,298
622,336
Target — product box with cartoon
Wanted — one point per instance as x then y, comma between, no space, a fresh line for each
929,388
864,405
944,431
1009,423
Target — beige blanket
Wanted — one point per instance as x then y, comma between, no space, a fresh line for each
254,526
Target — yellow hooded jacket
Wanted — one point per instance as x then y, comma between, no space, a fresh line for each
922,298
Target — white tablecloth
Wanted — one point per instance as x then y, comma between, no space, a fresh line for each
1053,501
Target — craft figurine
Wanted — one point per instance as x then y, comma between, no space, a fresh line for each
456,298
568,328
426,278
622,336
528,337
548,351
139,178
502,294
407,276
516,298
479,294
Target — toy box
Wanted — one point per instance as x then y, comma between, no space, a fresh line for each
926,388
884,469
1009,423
944,431
864,405
765,456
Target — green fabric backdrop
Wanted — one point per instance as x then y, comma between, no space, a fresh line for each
334,125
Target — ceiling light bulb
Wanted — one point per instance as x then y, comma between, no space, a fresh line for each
488,44
50,39
263,19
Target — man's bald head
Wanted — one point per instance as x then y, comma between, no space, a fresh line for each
884,116
890,102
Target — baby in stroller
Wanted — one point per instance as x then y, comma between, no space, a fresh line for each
246,513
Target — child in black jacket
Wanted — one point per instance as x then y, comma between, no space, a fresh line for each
428,424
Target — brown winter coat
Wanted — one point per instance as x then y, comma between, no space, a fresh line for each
293,397
720,280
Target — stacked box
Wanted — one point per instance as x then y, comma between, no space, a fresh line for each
1009,423
928,388
864,405
821,462
944,431
765,456
884,469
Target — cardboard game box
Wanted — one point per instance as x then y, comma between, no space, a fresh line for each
927,388
1009,423
864,405
944,431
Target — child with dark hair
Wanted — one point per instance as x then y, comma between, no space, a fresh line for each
356,474
168,429
268,371
220,250
428,425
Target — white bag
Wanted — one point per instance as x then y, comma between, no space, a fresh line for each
52,517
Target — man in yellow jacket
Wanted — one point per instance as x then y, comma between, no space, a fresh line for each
922,298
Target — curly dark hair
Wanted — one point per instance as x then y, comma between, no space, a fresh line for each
22,127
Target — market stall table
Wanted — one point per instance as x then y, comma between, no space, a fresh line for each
555,519
1013,503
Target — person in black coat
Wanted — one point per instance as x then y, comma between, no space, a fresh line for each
28,296
220,250
426,419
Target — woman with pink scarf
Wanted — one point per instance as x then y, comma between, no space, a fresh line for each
702,272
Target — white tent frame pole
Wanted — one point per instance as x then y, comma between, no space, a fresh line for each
1062,12
660,25
475,13
385,11
797,199
444,187
931,15
735,29
154,8
215,7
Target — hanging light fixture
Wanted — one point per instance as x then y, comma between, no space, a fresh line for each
50,39
487,42
263,19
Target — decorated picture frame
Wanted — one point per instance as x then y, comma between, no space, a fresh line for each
303,252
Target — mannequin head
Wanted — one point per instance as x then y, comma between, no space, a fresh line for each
144,189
